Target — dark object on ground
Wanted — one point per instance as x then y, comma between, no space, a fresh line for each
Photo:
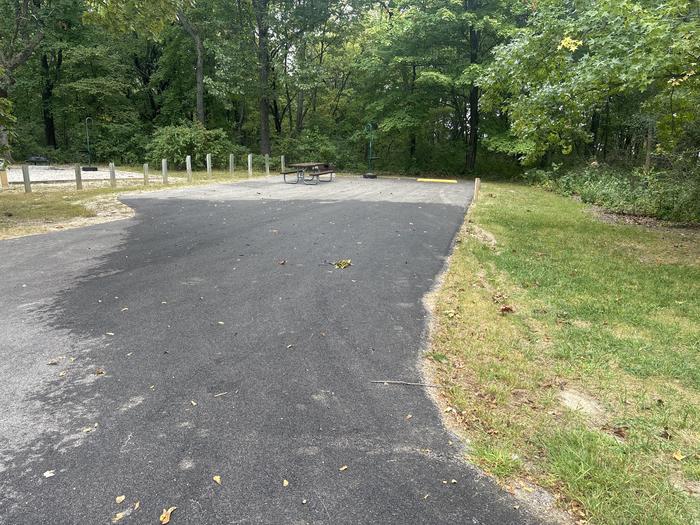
89,168
369,176
37,159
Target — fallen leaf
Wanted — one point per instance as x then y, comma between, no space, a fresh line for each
100,371
119,499
290,346
409,416
343,263
507,309
678,456
343,468
49,473
53,362
285,483
109,333
217,480
426,496
282,262
125,309
165,517
137,505
62,373
118,516
194,403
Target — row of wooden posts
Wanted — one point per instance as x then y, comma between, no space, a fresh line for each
164,171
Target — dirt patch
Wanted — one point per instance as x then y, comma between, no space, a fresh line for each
637,220
583,403
106,208
481,235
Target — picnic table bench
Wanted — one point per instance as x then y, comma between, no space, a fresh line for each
308,173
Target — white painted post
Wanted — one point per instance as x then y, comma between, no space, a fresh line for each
4,184
27,182
188,165
209,165
78,177
164,169
477,188
267,164
231,164
112,175
282,163
145,174
250,164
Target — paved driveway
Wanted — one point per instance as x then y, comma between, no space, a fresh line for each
210,336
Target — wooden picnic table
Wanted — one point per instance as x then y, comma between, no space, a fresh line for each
308,172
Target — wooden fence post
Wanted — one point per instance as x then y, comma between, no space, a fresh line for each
164,170
188,166
145,174
4,184
112,175
231,164
209,165
25,176
78,177
282,163
250,164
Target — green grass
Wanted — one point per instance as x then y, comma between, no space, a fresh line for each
608,311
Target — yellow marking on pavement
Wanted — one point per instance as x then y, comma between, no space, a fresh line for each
445,181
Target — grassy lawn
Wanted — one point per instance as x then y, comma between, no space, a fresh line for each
569,351
25,213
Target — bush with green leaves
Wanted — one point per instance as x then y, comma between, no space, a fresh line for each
665,195
176,142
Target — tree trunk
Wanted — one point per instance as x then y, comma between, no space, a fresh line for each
199,68
50,79
474,93
648,146
261,7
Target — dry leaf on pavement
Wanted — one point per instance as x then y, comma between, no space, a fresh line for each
285,483
217,480
165,516
119,499
118,516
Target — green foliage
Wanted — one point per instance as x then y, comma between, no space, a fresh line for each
662,194
176,142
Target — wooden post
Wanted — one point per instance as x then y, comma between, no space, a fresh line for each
78,177
282,163
231,164
267,164
112,175
25,176
250,164
4,184
164,170
188,165
209,165
477,187
145,174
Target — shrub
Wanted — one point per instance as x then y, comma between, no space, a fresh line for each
176,142
666,195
